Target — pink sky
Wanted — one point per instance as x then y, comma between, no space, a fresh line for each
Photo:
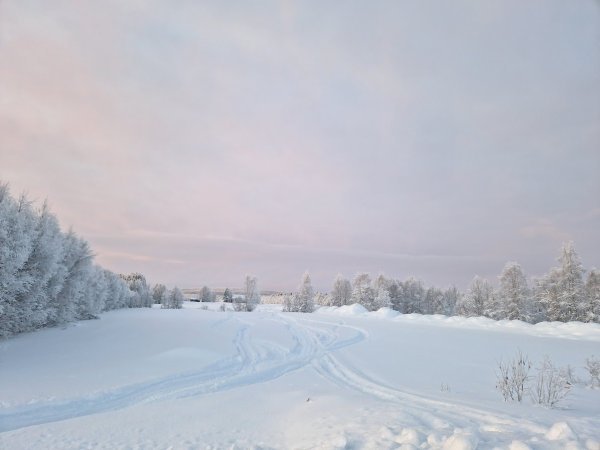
197,143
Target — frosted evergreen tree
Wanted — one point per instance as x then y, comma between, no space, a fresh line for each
561,292
572,293
477,299
71,300
513,294
592,293
303,299
42,264
96,292
47,277
362,291
341,292
16,243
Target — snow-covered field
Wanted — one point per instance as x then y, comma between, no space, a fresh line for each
338,378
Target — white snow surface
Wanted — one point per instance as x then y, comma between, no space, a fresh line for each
341,378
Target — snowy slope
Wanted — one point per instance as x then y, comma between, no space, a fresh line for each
339,378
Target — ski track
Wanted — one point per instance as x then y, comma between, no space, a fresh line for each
258,361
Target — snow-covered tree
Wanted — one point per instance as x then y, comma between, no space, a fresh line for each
561,293
572,292
176,298
42,264
513,294
592,293
137,283
17,229
382,299
322,299
412,296
227,296
434,301
395,291
451,297
251,295
477,299
206,294
341,291
381,282
362,291
47,277
159,294
303,299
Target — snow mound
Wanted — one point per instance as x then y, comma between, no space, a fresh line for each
591,444
559,431
460,441
385,313
351,310
409,436
518,445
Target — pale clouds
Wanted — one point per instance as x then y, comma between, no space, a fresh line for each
321,136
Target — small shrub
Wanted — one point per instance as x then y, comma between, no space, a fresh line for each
551,385
223,307
592,365
512,377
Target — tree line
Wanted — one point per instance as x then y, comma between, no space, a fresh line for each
48,277
564,294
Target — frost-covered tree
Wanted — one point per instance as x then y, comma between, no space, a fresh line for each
43,268
341,292
176,298
477,299
17,225
513,294
592,293
561,293
322,299
381,282
451,297
118,295
206,294
137,283
382,299
412,296
71,300
47,277
251,296
159,294
434,301
227,296
395,291
572,293
303,299
362,291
